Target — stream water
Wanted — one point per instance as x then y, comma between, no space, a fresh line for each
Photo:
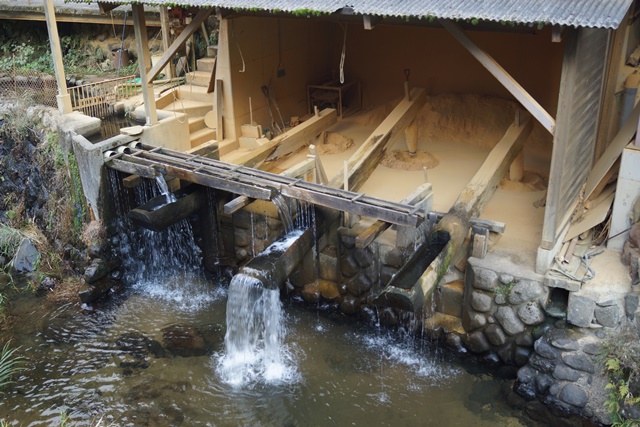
101,364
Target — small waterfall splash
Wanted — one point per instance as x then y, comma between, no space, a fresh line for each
254,338
164,188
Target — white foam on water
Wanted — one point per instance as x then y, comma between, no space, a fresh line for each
184,292
403,352
254,348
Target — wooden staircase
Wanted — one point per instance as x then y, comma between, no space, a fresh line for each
192,100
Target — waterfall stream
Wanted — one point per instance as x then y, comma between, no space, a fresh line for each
254,348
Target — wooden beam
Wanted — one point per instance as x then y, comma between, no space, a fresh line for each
613,151
64,15
480,189
503,77
363,162
365,238
237,204
193,26
291,140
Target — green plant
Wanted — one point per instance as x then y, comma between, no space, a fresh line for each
64,418
621,357
504,289
10,364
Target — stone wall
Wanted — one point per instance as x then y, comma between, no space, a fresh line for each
564,371
502,309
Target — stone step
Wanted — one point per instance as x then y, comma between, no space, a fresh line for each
199,78
201,136
206,64
196,123
212,51
195,93
188,107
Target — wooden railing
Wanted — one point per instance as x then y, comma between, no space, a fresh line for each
98,99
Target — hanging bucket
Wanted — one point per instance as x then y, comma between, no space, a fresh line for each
121,60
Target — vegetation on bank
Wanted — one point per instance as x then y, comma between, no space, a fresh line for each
621,356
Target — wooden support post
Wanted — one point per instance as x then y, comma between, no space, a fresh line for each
411,135
320,173
363,162
236,204
503,77
193,26
219,121
144,62
63,98
516,169
166,38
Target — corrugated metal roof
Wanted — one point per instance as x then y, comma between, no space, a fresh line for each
577,13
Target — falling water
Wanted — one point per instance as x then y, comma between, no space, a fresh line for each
255,329
166,265
164,188
285,212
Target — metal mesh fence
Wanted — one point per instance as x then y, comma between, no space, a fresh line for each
37,87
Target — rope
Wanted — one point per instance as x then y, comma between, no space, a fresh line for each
233,33
344,54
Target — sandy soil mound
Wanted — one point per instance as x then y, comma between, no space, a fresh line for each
402,160
333,143
530,182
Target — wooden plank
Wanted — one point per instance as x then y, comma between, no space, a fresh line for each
493,226
166,37
503,77
236,204
208,149
609,115
193,26
300,169
594,216
291,140
363,162
612,152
